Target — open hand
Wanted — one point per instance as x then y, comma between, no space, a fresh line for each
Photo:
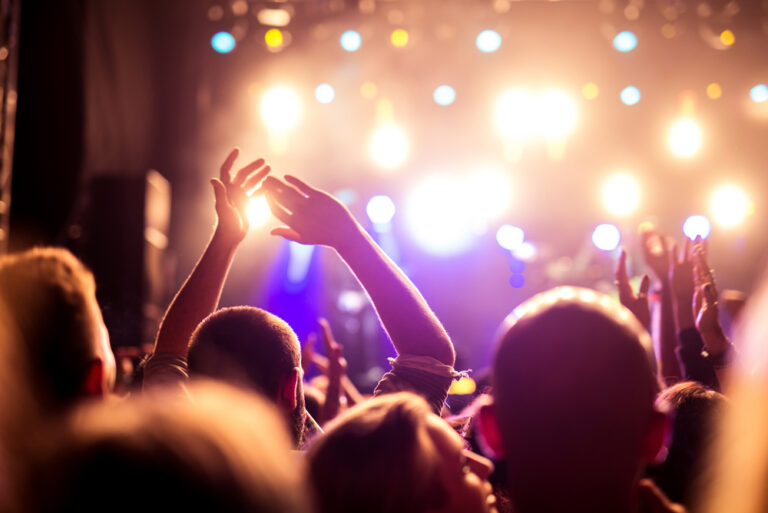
656,254
232,194
681,273
313,216
637,304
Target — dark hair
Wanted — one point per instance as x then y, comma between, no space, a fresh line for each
696,411
245,345
50,295
376,458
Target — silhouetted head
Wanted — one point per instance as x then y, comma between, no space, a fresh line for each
391,454
228,451
51,297
251,347
574,390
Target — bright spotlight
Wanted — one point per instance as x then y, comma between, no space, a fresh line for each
439,217
510,237
223,42
516,115
273,38
380,209
324,93
525,252
759,93
399,38
351,41
606,237
280,109
630,95
730,206
697,226
389,146
625,41
444,95
258,211
557,114
621,194
488,41
685,138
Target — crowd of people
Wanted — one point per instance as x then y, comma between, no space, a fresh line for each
592,406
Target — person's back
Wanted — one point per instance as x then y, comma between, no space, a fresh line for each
574,391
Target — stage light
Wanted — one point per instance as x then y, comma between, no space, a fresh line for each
685,138
273,38
223,42
280,109
727,37
525,252
630,95
444,95
522,115
350,41
324,93
625,41
399,38
730,205
697,226
274,17
258,212
510,237
621,194
488,41
439,217
368,90
299,260
488,194
759,93
714,91
516,115
380,209
557,114
389,146
668,30
606,237
590,91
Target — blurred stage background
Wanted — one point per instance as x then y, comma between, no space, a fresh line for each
483,142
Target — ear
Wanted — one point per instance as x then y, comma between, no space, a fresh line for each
93,385
288,386
489,434
655,443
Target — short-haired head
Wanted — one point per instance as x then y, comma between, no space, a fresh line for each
574,389
51,297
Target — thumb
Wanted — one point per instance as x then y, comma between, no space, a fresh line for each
219,191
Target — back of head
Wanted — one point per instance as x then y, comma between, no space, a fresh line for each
51,298
574,391
372,459
245,345
227,451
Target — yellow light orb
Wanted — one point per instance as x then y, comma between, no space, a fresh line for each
714,91
730,206
273,38
668,31
590,91
727,37
621,194
399,38
258,211
685,138
389,146
368,90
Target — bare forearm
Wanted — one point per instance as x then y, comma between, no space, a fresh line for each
670,367
197,298
404,313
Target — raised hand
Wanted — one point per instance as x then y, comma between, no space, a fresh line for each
706,310
681,281
232,193
656,254
637,304
313,216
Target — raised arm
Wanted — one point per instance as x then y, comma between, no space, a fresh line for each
199,295
314,216
656,252
636,303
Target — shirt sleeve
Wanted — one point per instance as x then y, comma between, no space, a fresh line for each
422,375
167,371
